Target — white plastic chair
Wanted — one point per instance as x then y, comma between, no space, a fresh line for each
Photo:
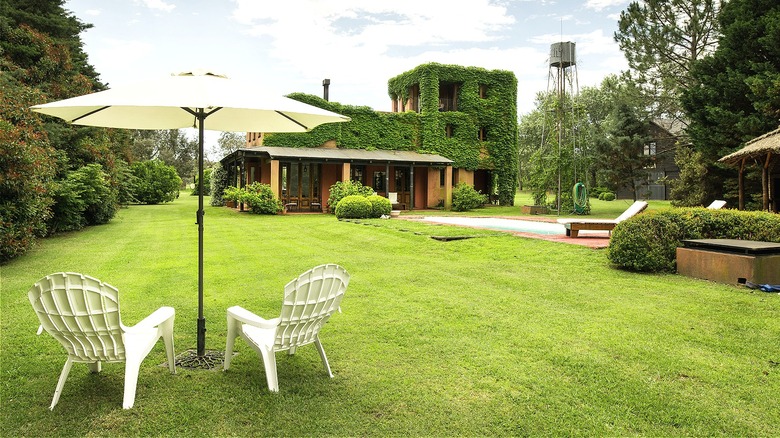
308,303
82,313
393,197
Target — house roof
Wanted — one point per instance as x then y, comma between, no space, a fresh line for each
342,155
674,127
768,143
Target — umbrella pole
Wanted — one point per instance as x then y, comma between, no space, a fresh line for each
201,320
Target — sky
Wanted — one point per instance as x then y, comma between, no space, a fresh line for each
292,45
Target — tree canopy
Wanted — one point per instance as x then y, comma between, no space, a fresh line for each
735,92
661,39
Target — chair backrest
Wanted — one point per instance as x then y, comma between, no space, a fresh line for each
717,204
82,313
309,301
393,197
635,208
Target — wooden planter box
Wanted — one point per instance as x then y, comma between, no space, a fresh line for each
730,261
534,209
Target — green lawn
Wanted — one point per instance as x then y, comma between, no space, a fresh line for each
495,335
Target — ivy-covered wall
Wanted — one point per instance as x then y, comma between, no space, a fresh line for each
425,132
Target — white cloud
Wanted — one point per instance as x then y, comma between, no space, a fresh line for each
159,5
600,5
93,12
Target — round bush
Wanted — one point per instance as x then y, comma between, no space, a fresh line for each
379,205
342,189
607,196
465,197
260,199
155,182
353,207
648,242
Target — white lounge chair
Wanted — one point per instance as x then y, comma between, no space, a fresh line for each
308,303
82,313
716,204
575,225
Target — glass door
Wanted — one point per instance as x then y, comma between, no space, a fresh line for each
300,185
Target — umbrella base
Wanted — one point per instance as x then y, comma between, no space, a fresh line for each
189,359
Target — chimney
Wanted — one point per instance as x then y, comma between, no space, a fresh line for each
325,85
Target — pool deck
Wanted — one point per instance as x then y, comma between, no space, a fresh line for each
590,239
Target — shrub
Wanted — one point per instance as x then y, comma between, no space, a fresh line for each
156,182
219,181
648,242
26,165
466,197
342,189
260,199
607,196
353,207
84,197
231,194
379,205
206,183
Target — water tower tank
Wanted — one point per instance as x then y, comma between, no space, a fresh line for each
562,54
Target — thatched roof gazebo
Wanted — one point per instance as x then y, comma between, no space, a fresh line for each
764,151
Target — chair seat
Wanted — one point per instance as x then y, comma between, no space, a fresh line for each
307,304
82,313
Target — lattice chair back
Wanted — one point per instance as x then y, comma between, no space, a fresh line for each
309,301
82,313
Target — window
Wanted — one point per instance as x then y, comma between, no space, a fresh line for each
448,96
650,149
448,130
483,133
442,174
482,91
356,174
379,182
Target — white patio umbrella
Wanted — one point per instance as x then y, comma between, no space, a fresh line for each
196,99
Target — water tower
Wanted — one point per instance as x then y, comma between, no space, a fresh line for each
561,81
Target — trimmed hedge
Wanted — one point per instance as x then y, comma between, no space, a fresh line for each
648,242
466,197
342,189
353,207
379,205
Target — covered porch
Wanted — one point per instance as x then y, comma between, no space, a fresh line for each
301,177
763,151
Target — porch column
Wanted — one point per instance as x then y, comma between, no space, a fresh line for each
345,168
741,182
411,187
387,181
275,186
448,188
242,177
765,181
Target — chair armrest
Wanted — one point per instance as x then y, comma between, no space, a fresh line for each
240,314
157,317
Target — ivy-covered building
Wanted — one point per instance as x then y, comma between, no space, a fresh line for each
450,124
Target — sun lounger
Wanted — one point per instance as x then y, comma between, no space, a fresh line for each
716,205
574,225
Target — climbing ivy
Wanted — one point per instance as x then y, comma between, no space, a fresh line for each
424,132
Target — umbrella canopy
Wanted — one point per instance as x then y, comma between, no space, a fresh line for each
170,103
196,99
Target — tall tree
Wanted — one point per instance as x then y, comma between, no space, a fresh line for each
735,92
621,153
41,59
661,39
229,142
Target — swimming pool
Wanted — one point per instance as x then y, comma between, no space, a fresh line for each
517,225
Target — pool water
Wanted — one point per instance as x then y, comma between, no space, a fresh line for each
517,225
